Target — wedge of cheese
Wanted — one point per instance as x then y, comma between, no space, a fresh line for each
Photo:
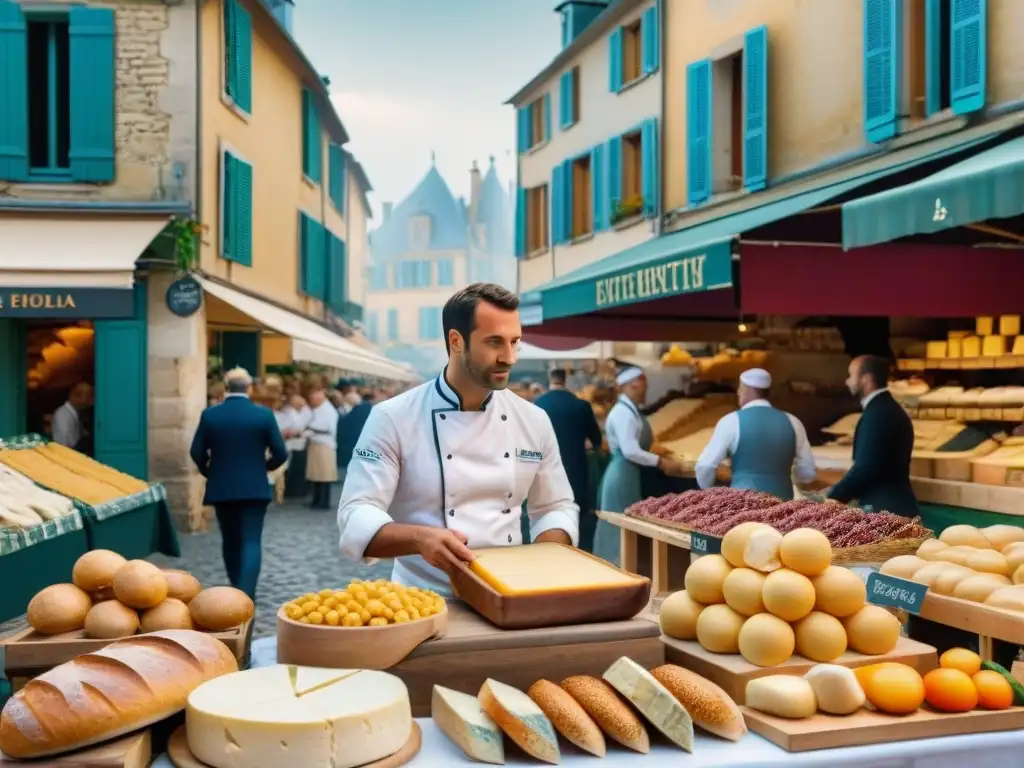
545,568
653,700
462,719
521,720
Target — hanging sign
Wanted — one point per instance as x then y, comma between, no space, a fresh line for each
185,296
68,303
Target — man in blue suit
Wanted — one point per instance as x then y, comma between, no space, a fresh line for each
349,429
575,425
230,449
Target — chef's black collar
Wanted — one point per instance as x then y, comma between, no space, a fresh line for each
450,396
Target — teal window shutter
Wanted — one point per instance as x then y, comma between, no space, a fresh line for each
337,179
242,49
91,82
243,186
698,131
557,210
523,128
337,268
755,107
650,40
228,201
547,116
614,178
445,272
649,167
598,182
567,200
520,222
563,101
312,141
317,260
615,60
881,68
968,55
423,274
392,324
230,49
303,253
933,44
14,90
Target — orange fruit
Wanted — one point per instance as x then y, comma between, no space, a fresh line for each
994,692
950,690
966,661
891,687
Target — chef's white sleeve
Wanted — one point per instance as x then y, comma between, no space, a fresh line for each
369,486
550,503
803,466
625,426
722,443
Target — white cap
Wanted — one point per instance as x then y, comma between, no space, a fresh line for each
758,378
628,374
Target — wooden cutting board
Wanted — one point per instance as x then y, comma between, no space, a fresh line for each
135,751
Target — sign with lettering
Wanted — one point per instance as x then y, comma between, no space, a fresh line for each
184,297
896,593
68,303
705,544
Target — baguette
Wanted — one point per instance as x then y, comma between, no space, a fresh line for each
98,696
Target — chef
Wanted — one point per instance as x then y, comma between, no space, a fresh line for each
446,467
768,446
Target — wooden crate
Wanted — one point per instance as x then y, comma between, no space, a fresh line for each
989,624
28,654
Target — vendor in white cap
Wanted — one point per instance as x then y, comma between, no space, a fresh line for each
768,446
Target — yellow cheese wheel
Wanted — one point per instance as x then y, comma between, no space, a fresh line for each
735,541
839,592
718,629
1014,554
678,616
902,566
820,637
930,547
958,555
1007,598
806,551
964,535
1001,536
762,550
872,630
766,640
977,588
989,561
704,579
742,590
788,594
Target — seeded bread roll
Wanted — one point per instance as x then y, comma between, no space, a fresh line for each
568,717
710,707
603,704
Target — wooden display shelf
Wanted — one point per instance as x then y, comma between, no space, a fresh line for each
1002,362
988,623
732,672
670,553
1002,499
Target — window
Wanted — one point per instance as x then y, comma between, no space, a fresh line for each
534,126
312,141
927,71
312,257
632,170
413,273
337,179
634,50
372,330
569,98
727,144
430,323
445,272
631,53
238,55
537,219
379,277
337,274
236,192
582,211
49,96
419,233
392,325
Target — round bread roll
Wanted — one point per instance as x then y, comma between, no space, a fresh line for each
568,716
94,571
181,585
1001,536
735,541
170,614
988,561
872,630
964,535
931,547
902,566
718,629
220,608
58,608
806,551
788,594
765,640
762,550
977,588
820,637
110,620
704,579
102,595
140,585
839,592
678,615
742,589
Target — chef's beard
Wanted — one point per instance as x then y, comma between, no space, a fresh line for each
483,375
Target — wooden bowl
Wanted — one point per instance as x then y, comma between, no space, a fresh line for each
316,645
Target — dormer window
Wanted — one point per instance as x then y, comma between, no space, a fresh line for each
419,233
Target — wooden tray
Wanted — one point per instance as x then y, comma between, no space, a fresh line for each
472,649
135,751
552,610
732,672
973,617
864,727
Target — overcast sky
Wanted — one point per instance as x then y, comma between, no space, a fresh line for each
414,76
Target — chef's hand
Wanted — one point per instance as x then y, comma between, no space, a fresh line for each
444,548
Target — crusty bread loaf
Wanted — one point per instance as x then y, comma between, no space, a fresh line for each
709,706
97,696
615,717
568,716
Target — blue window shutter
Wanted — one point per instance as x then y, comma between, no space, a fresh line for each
649,167
698,131
598,182
615,60
571,90
649,40
13,93
229,200
933,45
523,128
881,68
304,243
317,260
755,107
520,222
230,49
243,59
568,198
563,101
557,226
423,274
312,140
392,324
243,212
968,55
614,177
337,180
91,64
547,116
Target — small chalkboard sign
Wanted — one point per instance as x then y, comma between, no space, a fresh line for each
895,592
705,544
185,296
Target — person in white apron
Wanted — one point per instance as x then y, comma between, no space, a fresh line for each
445,468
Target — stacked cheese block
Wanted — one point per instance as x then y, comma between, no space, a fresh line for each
111,597
980,565
584,709
24,504
991,338
71,473
768,595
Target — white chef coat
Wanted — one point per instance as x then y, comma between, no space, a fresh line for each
291,419
622,428
420,460
726,438
66,428
323,425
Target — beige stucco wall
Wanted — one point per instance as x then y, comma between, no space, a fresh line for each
358,242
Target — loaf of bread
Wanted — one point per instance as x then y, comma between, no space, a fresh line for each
97,696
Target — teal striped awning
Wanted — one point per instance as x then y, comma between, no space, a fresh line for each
989,185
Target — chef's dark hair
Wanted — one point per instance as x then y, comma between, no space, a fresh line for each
877,368
459,311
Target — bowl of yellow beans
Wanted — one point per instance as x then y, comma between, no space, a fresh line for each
365,625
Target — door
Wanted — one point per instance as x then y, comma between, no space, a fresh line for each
13,377
241,349
122,393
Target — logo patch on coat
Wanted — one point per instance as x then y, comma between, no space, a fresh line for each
531,456
367,454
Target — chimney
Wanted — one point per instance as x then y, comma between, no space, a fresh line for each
577,15
386,210
282,10
474,190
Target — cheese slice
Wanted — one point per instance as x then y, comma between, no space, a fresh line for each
253,686
308,679
461,718
521,720
545,568
653,700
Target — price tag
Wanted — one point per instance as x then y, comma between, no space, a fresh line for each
896,593
705,544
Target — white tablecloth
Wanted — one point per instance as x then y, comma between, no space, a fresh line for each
991,750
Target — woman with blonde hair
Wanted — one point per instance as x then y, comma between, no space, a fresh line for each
321,453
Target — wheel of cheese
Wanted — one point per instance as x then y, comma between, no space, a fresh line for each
742,590
977,588
1001,536
170,614
902,566
58,608
806,551
110,620
678,616
958,555
704,579
839,592
930,547
820,637
1007,598
221,608
989,561
140,585
182,585
872,630
788,594
718,629
762,550
94,571
966,536
765,640
735,542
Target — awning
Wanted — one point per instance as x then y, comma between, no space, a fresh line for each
597,350
311,342
989,185
40,250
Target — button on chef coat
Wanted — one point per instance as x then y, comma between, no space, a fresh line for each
420,460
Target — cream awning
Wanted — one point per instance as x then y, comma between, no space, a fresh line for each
311,342
81,251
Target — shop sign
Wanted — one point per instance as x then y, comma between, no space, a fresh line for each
70,303
893,592
705,544
185,296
